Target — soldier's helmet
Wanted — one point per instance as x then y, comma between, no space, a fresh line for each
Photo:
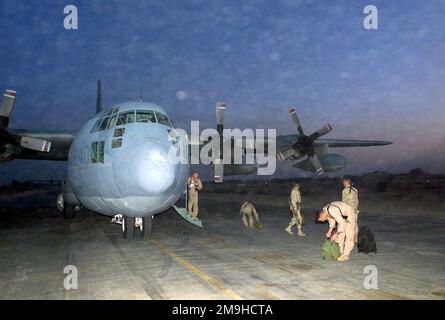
296,185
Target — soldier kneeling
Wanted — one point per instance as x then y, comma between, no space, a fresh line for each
249,215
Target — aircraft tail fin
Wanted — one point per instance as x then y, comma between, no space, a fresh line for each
99,104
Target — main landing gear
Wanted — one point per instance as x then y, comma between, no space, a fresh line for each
67,209
131,226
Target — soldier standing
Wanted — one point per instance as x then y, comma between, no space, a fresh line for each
194,185
294,206
350,196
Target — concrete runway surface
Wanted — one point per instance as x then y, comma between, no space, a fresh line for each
221,261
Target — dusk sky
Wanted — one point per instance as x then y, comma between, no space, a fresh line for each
260,57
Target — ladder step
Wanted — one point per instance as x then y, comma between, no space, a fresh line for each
187,216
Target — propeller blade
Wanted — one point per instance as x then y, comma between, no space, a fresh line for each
316,164
218,163
321,132
6,107
35,144
219,170
293,115
220,109
286,154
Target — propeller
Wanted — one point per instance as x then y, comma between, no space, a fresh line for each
6,137
218,163
6,107
35,144
305,144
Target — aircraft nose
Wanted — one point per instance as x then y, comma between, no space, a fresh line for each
155,172
144,169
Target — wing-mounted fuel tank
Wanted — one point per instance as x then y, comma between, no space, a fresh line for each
330,162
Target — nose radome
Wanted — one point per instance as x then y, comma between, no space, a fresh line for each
155,173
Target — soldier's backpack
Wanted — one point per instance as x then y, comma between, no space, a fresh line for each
330,250
366,240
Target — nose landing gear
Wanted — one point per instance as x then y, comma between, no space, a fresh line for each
127,227
131,226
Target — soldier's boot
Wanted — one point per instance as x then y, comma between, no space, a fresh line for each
343,258
300,233
289,230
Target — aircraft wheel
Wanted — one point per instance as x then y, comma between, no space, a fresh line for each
145,227
127,227
68,211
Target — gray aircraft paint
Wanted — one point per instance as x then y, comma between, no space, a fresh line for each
130,181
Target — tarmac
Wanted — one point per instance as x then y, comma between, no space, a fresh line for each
222,260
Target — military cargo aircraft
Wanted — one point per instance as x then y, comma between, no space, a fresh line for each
118,161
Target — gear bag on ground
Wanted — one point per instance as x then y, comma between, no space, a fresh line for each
330,250
366,240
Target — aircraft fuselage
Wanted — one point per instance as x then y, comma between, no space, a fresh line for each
118,162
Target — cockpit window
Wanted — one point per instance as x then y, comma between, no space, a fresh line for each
104,124
125,117
163,119
112,121
96,125
112,110
94,152
146,116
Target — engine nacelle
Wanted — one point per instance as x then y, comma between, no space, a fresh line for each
6,152
330,162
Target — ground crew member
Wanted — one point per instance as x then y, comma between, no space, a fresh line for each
249,215
350,196
294,206
194,185
334,213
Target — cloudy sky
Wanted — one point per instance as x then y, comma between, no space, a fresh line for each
259,56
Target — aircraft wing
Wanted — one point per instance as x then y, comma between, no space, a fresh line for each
343,143
285,142
28,144
60,143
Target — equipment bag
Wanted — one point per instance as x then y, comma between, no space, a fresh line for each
366,240
330,250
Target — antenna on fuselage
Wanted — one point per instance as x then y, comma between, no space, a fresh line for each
99,105
141,96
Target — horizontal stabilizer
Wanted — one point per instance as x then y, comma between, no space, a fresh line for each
35,144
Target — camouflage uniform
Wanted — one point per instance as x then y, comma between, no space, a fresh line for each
249,215
350,196
294,206
336,211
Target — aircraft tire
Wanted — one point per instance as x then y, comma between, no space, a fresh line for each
127,227
68,212
147,227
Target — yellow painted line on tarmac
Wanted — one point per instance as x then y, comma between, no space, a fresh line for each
201,274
